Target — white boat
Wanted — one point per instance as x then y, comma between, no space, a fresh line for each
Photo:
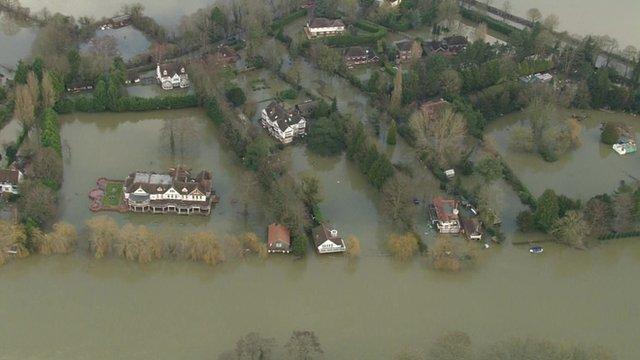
536,250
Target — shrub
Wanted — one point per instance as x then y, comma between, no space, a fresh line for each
288,94
236,96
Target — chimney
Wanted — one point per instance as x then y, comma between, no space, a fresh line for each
334,233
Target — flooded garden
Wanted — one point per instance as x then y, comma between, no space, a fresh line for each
590,169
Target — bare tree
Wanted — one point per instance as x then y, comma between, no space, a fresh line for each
180,135
353,246
12,237
303,345
397,202
441,138
534,15
551,22
103,233
25,106
448,11
403,247
201,246
481,32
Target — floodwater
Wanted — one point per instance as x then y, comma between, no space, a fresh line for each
589,17
15,42
72,307
166,13
114,145
593,168
130,41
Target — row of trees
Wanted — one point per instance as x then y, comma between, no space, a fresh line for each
453,345
573,223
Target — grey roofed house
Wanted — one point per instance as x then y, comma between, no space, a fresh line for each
153,183
320,22
282,117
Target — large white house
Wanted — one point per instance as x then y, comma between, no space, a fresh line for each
322,27
9,180
283,124
172,192
172,75
327,240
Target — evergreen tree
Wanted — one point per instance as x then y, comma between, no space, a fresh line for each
392,134
547,211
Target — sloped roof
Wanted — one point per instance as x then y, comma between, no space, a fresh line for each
11,176
404,45
172,68
281,116
322,234
278,233
325,23
446,209
180,180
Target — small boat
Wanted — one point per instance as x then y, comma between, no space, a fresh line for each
536,250
625,147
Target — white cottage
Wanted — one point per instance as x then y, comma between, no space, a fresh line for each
172,75
9,181
283,124
327,240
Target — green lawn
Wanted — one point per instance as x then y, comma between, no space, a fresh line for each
113,194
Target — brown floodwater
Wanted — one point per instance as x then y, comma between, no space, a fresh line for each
593,168
73,307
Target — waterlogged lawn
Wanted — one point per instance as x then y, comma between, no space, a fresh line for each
113,194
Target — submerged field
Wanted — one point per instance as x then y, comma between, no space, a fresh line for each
593,168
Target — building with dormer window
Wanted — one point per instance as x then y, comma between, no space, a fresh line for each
283,124
173,192
172,75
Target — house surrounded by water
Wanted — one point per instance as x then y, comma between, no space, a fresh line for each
278,239
172,75
283,124
173,192
444,215
327,240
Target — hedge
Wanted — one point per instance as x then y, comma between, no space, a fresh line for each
6,111
492,23
128,103
378,32
50,136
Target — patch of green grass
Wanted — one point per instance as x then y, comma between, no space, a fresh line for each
113,194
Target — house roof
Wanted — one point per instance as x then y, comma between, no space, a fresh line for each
278,233
358,51
11,176
404,45
446,209
179,179
281,116
456,40
325,23
227,53
322,234
470,225
433,107
172,68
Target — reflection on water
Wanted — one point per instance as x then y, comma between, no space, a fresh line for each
129,40
591,169
15,42
167,310
114,145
